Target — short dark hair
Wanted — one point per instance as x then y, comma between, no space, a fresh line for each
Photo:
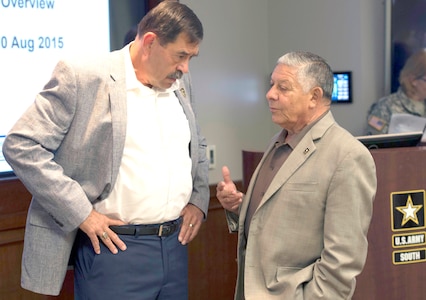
169,19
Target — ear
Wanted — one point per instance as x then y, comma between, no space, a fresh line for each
316,95
147,40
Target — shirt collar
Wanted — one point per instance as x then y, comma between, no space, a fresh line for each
133,83
298,136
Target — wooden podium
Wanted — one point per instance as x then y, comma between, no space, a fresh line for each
396,262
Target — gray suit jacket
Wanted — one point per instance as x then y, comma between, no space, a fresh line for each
67,149
308,237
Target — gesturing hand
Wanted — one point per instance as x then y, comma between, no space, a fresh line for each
227,194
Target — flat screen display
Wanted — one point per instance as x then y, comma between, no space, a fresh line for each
342,89
34,35
5,169
391,140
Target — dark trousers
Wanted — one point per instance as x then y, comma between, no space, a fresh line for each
152,268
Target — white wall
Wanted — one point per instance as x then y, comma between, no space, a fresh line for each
230,79
349,34
243,40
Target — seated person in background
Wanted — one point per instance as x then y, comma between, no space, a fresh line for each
409,99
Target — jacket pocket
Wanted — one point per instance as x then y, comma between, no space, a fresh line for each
38,216
290,282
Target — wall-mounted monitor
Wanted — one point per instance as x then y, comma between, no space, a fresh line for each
34,36
342,89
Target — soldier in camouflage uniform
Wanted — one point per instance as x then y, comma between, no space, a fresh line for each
409,99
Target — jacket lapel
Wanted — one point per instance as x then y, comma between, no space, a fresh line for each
118,101
183,93
297,158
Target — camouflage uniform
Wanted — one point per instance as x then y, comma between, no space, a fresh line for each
380,113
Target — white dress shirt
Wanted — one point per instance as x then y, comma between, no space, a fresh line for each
154,182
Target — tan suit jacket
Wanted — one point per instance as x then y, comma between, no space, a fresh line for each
308,237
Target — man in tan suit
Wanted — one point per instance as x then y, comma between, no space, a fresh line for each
303,223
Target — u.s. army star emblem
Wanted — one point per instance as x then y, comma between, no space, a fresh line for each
407,210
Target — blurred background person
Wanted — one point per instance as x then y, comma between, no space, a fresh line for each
408,99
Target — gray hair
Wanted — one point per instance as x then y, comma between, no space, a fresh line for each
312,70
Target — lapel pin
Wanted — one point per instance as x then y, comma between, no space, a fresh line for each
182,91
306,151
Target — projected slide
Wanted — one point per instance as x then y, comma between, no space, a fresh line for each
34,34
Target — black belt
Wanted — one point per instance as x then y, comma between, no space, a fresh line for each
164,229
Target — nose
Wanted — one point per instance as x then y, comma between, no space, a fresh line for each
184,66
270,95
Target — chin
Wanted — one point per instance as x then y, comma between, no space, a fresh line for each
276,120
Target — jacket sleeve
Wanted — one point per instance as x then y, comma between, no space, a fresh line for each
378,118
200,196
32,143
232,220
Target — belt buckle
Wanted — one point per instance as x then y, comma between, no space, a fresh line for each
160,230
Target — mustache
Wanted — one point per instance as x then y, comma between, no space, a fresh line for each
176,75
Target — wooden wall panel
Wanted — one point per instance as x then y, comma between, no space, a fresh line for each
212,257
212,254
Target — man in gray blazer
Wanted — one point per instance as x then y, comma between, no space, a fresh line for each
302,225
112,154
